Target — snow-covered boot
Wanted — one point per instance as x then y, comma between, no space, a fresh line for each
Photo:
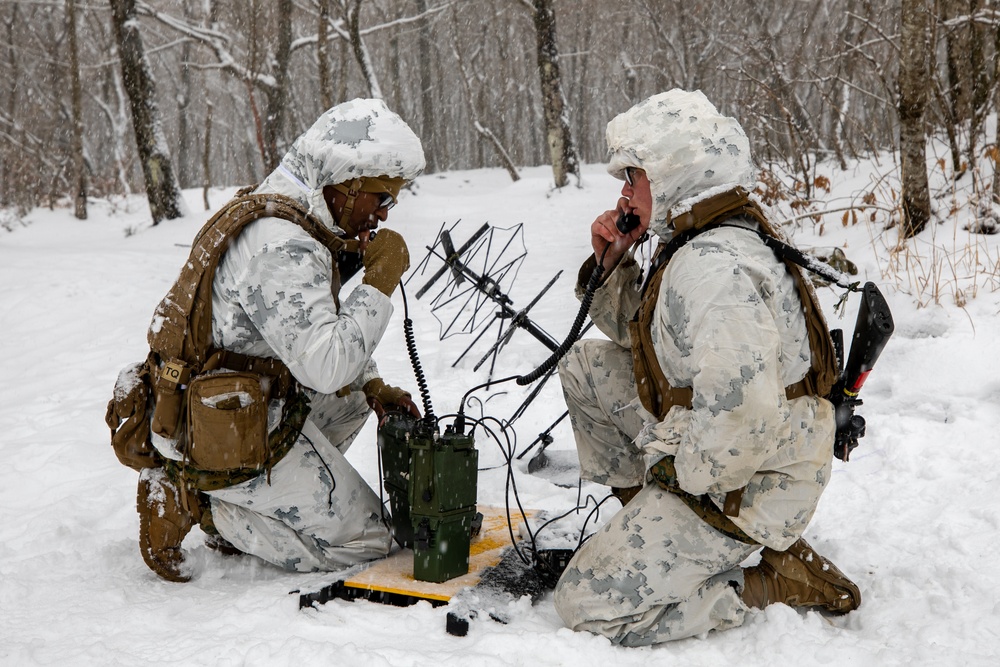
163,524
799,577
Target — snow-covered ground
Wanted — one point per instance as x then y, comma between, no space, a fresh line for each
913,518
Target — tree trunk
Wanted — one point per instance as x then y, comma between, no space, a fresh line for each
955,100
428,119
485,133
996,107
206,158
162,190
562,152
277,97
79,164
361,52
913,74
323,56
979,95
183,105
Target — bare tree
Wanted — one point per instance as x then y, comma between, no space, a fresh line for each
562,151
161,185
914,49
206,158
277,98
323,55
427,112
351,10
79,164
265,70
814,82
995,28
484,132
183,99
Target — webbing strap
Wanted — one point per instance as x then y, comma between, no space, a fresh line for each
183,320
655,391
665,476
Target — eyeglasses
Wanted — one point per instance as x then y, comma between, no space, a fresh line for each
630,176
386,201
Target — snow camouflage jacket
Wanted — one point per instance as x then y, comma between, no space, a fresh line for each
728,323
272,296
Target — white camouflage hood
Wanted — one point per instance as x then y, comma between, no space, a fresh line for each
357,138
687,149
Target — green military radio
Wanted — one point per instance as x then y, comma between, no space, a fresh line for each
431,481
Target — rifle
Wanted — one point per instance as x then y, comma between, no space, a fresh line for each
871,332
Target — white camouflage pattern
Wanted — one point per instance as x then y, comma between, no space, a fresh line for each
686,148
272,297
728,323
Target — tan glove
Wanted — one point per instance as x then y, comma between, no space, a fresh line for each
386,259
382,397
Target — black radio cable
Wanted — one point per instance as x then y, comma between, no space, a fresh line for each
411,349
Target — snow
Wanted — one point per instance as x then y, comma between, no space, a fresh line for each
912,518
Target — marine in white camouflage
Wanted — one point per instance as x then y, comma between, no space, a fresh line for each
273,296
729,325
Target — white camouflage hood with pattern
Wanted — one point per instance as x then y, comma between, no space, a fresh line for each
362,137
685,146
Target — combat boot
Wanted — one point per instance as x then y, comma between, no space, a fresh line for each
163,524
799,577
625,494
213,539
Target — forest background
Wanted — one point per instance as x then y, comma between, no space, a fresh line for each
101,99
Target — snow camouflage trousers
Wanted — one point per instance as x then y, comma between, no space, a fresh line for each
655,571
305,520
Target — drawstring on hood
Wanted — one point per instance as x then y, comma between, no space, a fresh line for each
685,146
357,140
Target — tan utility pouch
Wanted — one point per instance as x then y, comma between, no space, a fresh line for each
227,421
168,397
127,417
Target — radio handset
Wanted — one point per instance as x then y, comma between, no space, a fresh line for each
627,222
349,260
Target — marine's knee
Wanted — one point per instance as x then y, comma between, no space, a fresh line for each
575,375
575,599
563,599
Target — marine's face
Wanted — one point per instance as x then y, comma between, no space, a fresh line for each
637,191
369,210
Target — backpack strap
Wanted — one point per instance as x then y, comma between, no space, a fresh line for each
182,323
655,391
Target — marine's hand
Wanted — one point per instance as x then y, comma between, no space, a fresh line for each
604,231
386,259
382,397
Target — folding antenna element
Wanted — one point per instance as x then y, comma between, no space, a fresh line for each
474,296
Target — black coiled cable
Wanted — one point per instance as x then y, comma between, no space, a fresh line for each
574,331
559,353
411,349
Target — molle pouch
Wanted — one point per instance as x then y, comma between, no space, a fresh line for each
227,421
168,394
128,418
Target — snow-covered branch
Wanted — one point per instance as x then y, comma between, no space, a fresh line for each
217,41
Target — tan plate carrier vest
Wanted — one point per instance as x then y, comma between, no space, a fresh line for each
656,392
182,360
